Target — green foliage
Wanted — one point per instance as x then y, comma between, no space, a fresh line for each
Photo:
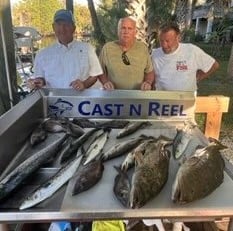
36,13
109,13
218,84
158,12
39,14
82,18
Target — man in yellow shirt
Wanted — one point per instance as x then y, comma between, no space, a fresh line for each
126,62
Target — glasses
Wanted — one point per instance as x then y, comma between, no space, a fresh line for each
125,58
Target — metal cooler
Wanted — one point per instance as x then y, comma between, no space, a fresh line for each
165,110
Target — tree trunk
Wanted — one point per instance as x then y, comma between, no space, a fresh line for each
70,5
188,18
98,34
230,65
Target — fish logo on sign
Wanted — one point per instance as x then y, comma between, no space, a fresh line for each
59,107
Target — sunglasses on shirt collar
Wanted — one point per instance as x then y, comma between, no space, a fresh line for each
125,58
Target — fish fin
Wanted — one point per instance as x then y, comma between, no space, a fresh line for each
217,142
118,169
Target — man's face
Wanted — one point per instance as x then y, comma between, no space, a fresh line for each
127,31
64,31
169,41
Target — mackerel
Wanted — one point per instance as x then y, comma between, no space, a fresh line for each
50,187
96,148
23,170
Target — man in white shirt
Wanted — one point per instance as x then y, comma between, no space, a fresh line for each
179,66
67,63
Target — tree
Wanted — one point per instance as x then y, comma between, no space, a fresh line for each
36,13
82,18
137,9
109,13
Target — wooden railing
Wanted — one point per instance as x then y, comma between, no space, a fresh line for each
213,106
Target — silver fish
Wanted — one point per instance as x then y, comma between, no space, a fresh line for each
38,135
182,139
53,125
199,175
74,129
131,128
122,148
23,170
87,176
96,147
121,187
71,148
50,187
151,171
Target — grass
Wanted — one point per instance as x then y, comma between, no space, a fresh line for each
218,83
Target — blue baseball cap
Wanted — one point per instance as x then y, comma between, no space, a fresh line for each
64,15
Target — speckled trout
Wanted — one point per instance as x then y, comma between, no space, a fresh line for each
23,170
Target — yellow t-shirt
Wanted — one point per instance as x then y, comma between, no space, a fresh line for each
124,76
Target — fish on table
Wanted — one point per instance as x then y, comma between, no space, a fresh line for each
87,176
95,149
121,186
27,167
56,125
71,148
151,171
38,135
122,148
200,174
182,139
52,185
132,127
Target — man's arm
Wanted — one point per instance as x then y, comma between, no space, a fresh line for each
203,75
81,85
91,80
107,84
149,81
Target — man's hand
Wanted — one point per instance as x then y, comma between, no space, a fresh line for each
108,85
145,86
200,75
77,84
36,83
